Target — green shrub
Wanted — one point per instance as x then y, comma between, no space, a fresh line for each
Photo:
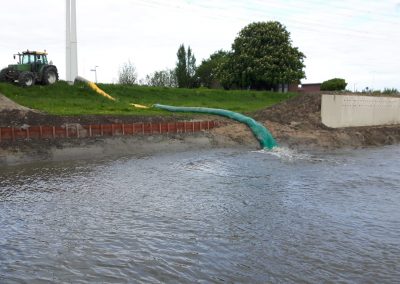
335,84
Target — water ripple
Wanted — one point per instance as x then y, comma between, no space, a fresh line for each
206,216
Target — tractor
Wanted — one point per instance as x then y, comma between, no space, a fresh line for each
32,68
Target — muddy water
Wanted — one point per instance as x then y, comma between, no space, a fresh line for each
212,216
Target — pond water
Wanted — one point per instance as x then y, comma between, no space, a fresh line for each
219,216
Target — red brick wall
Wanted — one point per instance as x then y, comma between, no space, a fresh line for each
305,88
100,130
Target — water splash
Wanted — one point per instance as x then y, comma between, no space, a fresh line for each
289,155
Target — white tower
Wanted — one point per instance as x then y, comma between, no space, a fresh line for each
71,42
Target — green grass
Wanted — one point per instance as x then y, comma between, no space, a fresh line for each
62,99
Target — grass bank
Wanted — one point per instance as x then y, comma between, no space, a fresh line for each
62,99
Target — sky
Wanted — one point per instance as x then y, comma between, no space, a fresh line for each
357,40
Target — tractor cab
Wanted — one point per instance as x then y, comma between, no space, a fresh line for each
31,60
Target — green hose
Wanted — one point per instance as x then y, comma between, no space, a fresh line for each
260,132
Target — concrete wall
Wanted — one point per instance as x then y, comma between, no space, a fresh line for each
350,110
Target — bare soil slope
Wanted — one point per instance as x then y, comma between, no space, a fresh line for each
8,105
301,110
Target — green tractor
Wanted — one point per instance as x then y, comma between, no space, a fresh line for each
32,68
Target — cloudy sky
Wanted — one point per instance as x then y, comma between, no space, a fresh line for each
357,40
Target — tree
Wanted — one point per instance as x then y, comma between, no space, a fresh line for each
191,65
181,67
263,57
335,84
163,78
127,74
207,73
185,67
390,91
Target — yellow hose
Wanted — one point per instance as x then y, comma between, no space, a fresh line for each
140,106
94,87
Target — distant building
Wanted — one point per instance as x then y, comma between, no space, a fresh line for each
311,88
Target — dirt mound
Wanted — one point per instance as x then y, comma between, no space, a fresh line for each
303,110
8,105
13,114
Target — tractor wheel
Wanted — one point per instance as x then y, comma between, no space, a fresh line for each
3,73
50,75
26,79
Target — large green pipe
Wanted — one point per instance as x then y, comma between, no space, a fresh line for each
260,132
